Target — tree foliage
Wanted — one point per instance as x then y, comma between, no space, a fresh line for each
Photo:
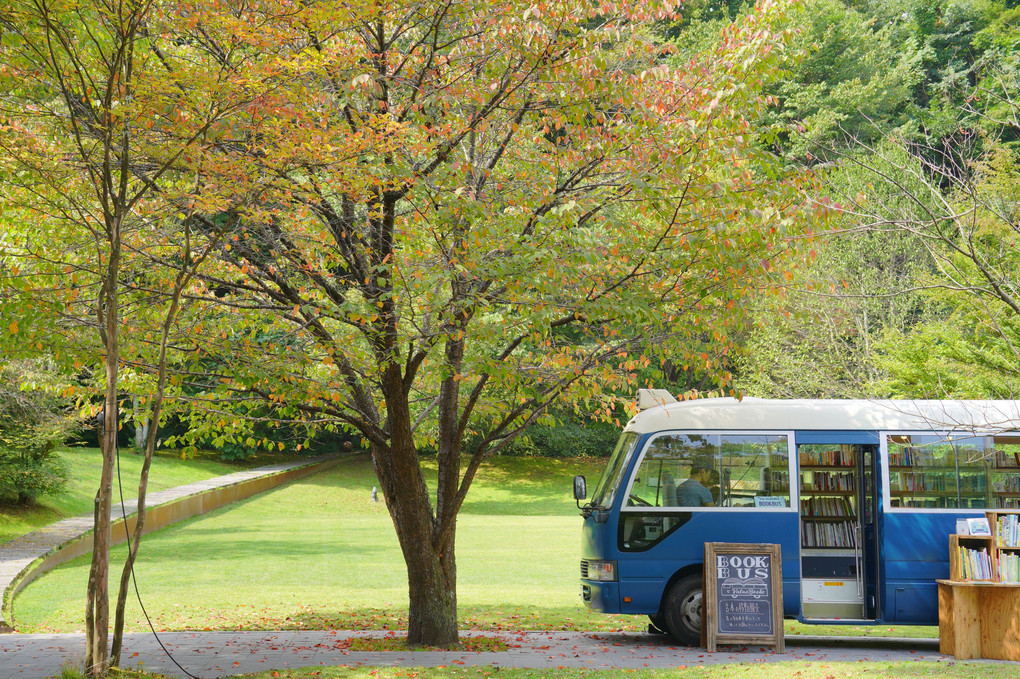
467,212
970,233
94,133
870,316
437,221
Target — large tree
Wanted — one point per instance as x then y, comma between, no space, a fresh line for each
464,212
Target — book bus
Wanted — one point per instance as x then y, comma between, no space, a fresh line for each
861,497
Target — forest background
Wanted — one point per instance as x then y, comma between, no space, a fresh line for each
906,112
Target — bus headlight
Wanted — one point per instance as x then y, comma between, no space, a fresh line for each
601,571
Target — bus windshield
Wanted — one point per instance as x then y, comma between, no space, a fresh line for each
605,490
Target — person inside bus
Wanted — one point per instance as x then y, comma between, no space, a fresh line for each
713,485
692,492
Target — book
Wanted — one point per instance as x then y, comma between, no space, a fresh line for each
978,527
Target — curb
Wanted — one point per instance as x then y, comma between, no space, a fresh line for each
25,558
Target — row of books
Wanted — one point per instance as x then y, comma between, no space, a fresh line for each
827,506
839,534
1004,459
976,462
777,481
1008,531
828,481
1007,484
1009,567
935,482
917,457
945,502
919,482
826,458
975,564
939,457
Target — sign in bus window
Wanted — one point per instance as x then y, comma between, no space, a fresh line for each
713,470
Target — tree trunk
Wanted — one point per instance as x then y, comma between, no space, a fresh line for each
432,591
97,613
98,597
135,541
431,568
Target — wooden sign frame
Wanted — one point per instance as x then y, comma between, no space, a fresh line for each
747,579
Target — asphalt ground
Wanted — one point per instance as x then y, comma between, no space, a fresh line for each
217,654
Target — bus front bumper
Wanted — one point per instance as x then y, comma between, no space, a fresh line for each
601,597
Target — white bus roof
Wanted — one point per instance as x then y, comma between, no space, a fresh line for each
758,414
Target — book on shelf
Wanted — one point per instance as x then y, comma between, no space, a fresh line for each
987,555
978,527
837,535
1009,567
1007,531
827,458
975,564
830,507
1004,459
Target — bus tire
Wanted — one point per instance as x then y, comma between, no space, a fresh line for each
682,610
658,623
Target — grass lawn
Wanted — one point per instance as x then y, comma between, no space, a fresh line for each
771,670
320,554
84,466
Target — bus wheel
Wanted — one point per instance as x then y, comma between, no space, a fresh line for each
682,611
659,623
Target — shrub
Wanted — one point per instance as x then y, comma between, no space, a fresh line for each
28,467
32,423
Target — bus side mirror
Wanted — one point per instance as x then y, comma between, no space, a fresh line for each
580,488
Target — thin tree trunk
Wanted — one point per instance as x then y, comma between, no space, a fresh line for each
98,599
90,592
150,447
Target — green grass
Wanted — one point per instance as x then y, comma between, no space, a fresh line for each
797,669
84,466
320,554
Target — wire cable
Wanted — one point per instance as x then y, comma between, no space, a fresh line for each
134,580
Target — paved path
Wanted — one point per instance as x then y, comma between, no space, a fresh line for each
218,654
18,554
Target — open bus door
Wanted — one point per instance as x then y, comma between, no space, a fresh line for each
838,528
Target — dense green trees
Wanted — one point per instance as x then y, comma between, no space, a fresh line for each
33,421
910,292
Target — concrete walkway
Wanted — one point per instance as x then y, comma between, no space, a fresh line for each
219,654
29,556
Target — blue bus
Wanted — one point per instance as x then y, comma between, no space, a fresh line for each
861,496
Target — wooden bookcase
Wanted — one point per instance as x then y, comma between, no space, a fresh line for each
980,618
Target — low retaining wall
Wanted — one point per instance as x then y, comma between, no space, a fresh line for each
158,516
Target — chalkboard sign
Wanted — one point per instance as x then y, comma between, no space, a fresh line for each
743,594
